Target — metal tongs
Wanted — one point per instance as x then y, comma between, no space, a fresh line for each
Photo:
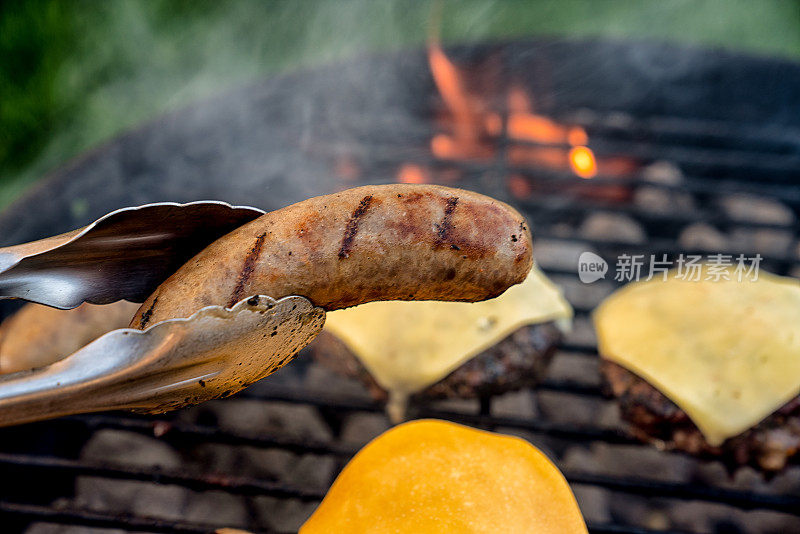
178,362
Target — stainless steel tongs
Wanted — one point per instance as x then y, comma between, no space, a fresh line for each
126,255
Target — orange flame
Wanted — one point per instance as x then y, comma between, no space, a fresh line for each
443,146
530,127
468,119
412,174
449,84
469,131
582,162
577,136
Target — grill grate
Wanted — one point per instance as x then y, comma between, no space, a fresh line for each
712,159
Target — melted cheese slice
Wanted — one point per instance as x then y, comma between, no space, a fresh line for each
726,352
408,346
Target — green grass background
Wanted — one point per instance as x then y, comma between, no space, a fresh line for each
75,72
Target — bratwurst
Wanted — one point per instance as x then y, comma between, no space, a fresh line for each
381,242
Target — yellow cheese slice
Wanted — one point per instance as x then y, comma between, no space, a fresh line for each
726,352
408,346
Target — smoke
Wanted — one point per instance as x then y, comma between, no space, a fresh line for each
124,62
93,69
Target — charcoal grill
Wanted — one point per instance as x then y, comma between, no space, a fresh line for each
682,136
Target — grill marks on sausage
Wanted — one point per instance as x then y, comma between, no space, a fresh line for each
147,314
445,225
247,269
351,229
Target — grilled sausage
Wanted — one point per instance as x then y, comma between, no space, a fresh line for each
383,242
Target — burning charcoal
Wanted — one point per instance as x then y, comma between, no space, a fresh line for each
516,404
594,503
50,528
135,450
321,378
215,508
756,209
787,482
632,461
661,200
701,236
662,172
311,471
635,510
578,411
282,515
578,368
553,253
582,332
560,229
253,416
619,120
612,227
455,405
359,428
584,116
706,517
580,294
762,240
627,461
268,464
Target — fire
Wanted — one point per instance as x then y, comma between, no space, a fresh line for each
448,81
530,127
577,136
470,130
582,162
469,123
412,174
493,124
443,146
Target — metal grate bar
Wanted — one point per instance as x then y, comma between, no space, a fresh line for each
563,204
788,193
680,130
255,487
761,162
661,246
207,482
95,519
743,500
653,140
208,434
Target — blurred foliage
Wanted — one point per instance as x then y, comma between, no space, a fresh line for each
74,73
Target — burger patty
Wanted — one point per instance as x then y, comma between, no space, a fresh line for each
654,418
518,361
